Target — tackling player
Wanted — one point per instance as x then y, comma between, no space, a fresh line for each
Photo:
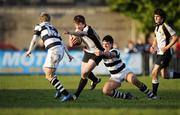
119,72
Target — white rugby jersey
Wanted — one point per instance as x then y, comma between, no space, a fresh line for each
48,34
92,40
163,34
114,65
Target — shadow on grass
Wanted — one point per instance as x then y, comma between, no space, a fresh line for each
38,98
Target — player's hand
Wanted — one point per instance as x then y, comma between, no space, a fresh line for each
152,50
28,53
164,49
98,53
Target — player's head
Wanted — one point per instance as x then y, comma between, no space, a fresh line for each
79,22
159,16
45,17
107,42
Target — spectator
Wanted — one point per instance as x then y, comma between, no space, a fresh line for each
140,46
130,48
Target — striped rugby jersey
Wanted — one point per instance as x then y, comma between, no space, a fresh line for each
48,34
91,40
163,34
114,65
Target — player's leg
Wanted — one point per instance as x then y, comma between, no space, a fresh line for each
95,80
155,81
86,68
49,67
110,89
169,75
131,78
50,76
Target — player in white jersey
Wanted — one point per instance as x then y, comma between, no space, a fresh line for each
92,42
55,51
165,38
119,72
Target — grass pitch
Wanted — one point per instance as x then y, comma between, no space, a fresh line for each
33,95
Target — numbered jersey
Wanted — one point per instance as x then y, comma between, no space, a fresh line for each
49,35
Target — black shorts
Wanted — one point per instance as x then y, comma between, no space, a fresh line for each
92,56
163,60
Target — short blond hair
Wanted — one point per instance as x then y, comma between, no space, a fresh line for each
45,17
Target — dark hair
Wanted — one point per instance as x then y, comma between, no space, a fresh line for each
108,38
161,13
79,19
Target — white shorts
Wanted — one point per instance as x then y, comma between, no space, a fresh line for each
54,57
120,77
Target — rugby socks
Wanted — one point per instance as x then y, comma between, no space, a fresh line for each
118,94
146,91
59,87
81,86
155,84
174,75
92,77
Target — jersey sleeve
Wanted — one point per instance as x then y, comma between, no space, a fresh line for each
37,30
116,51
86,29
170,30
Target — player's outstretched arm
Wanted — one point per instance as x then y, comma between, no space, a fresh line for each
77,33
106,54
32,45
67,52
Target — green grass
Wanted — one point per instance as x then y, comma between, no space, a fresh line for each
33,95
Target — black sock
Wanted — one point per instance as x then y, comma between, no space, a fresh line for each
155,88
146,91
59,87
92,77
81,86
176,75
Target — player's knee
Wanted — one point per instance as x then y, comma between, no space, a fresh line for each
106,91
84,74
48,77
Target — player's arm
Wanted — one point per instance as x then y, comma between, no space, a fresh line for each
154,46
172,42
32,45
77,33
67,52
105,54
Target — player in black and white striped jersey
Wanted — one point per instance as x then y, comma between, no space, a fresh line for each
119,72
55,50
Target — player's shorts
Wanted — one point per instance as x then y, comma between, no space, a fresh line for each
54,57
92,56
121,76
163,60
